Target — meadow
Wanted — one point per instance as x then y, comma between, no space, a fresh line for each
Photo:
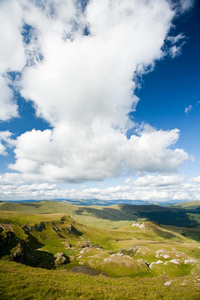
135,252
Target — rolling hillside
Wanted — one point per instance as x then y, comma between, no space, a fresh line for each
111,216
157,245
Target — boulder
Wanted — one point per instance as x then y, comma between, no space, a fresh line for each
61,259
68,245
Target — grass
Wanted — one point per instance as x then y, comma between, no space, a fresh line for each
114,216
20,282
131,276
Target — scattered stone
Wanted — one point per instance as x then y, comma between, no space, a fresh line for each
138,250
168,283
138,225
190,261
175,261
155,263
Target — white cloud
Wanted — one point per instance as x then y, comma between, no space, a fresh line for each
150,151
62,155
91,77
186,5
188,109
159,181
5,137
177,43
8,106
175,51
15,187
12,54
175,39
84,86
195,179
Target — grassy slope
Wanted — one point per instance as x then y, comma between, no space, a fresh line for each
21,282
152,236
188,205
114,216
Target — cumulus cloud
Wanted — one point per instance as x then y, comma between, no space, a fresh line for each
61,155
152,192
79,69
12,54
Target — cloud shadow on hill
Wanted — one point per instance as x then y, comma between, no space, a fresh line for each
162,215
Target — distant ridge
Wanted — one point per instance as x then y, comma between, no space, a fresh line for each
114,215
89,202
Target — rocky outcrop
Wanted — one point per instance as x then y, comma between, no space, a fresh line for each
145,225
56,228
8,240
134,251
37,227
20,253
61,259
72,230
6,227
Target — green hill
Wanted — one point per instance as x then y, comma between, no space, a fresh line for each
132,250
110,216
120,241
188,205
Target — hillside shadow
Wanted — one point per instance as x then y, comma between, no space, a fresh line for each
106,213
34,257
35,205
162,215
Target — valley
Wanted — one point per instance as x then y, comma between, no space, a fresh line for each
120,242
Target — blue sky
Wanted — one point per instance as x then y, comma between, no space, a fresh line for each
111,114
175,85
